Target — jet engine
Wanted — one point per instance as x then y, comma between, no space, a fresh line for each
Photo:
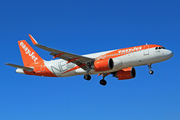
126,73
103,65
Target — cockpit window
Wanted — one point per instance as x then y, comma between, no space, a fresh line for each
156,48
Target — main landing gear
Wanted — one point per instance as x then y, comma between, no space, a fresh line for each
87,77
103,82
150,71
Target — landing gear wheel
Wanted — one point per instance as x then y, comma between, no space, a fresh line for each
151,72
103,82
87,77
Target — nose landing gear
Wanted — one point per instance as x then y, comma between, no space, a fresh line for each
150,71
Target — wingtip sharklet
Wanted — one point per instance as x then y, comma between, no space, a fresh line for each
33,40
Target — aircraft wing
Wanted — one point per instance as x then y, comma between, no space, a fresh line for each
69,57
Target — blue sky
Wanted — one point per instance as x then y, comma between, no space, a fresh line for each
82,27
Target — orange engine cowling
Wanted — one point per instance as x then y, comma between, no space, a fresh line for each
126,73
103,65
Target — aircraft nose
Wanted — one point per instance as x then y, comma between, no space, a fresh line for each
169,54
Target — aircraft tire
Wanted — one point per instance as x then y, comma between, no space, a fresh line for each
103,82
87,77
151,72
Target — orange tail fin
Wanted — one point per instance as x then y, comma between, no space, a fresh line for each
28,53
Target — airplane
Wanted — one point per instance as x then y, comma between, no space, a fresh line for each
120,62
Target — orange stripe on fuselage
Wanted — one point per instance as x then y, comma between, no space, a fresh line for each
125,51
40,70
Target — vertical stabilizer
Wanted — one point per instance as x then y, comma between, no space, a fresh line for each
28,54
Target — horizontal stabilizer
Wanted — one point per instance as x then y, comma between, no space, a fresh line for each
20,67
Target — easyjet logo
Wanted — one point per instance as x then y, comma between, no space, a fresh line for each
27,51
130,50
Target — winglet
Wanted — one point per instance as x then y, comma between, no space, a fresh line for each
33,40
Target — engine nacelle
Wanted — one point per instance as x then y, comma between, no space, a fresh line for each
103,65
126,73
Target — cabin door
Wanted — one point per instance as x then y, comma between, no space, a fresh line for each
146,50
